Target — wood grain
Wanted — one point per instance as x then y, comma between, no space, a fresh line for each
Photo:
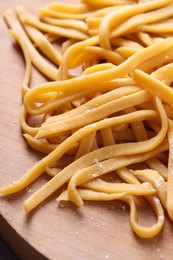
96,231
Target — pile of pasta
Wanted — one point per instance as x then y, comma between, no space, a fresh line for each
104,117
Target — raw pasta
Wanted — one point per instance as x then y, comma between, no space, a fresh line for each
107,110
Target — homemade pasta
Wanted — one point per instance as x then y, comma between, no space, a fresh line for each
104,118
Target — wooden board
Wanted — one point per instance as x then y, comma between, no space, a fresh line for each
96,231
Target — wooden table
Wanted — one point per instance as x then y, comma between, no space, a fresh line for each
96,231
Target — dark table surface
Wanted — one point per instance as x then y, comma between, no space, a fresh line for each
6,253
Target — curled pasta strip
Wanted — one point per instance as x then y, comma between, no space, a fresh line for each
133,189
138,127
122,42
66,32
154,85
126,52
109,56
86,145
154,229
145,232
52,171
107,136
25,127
103,3
157,181
40,40
39,62
92,195
158,28
164,74
145,38
71,53
62,15
155,164
141,134
26,53
39,145
93,24
67,23
145,18
170,172
66,45
100,67
159,60
70,8
125,174
116,17
45,147
52,38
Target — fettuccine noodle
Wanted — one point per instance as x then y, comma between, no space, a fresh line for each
107,110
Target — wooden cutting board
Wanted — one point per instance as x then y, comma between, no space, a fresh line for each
96,231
